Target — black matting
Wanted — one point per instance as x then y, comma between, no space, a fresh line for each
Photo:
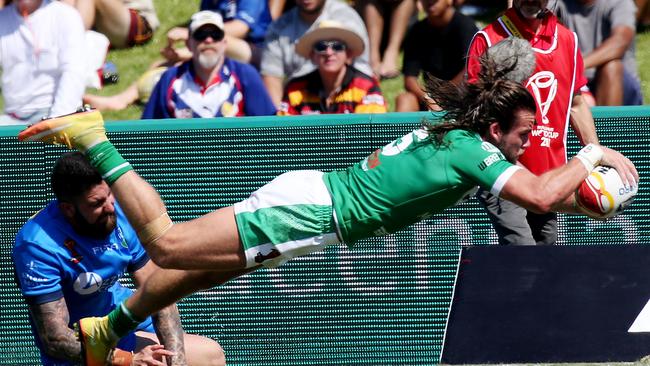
548,304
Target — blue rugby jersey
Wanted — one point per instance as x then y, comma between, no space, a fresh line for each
53,261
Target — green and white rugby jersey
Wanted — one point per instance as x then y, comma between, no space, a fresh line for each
411,179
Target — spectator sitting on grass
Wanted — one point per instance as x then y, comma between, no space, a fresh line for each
126,23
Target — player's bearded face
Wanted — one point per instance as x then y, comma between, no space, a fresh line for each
94,212
514,142
208,52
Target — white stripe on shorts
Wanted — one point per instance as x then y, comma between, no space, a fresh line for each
290,250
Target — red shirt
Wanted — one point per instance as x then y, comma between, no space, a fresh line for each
558,75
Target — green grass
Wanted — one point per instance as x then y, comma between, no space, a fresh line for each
131,63
643,60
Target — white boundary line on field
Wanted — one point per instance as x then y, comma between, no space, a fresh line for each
451,302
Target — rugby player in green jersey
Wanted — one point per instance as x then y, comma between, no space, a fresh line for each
483,131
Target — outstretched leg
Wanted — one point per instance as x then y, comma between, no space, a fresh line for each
214,236
169,285
211,241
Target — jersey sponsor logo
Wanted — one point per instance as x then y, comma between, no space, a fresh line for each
260,258
120,236
106,248
91,282
30,277
88,283
543,86
493,158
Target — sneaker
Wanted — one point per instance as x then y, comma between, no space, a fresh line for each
81,130
97,339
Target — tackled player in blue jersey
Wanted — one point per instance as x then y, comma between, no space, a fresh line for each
69,258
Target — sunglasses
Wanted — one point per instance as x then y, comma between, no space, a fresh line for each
336,46
202,34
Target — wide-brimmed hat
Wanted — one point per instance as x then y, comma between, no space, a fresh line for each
329,30
205,17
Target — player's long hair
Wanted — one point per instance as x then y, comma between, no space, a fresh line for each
475,106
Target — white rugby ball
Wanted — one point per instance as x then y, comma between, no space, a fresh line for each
603,195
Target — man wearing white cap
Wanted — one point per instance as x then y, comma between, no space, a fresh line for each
335,86
209,85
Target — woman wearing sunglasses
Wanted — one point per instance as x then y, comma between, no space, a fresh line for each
335,86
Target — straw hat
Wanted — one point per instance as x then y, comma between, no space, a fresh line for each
330,30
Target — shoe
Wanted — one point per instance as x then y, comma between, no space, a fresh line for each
81,130
97,339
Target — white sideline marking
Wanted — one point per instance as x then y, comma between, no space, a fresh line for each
642,321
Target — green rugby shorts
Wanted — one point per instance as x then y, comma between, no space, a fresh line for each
291,216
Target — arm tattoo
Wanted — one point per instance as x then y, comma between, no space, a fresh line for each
170,333
51,320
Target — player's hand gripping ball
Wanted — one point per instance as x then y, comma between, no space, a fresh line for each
603,195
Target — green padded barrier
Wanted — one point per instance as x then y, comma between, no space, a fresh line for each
383,302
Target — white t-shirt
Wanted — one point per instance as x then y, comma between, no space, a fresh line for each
42,59
594,23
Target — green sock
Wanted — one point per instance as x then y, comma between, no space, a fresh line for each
122,321
108,161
